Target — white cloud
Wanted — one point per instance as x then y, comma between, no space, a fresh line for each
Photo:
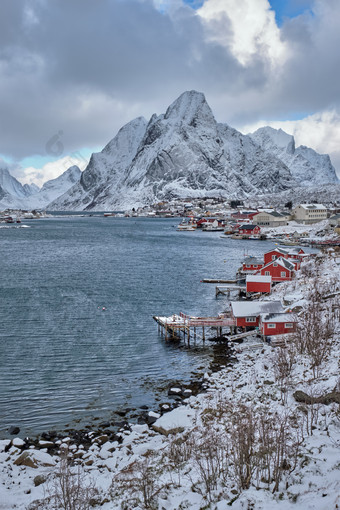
51,170
247,27
320,131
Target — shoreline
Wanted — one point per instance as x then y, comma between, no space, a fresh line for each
174,447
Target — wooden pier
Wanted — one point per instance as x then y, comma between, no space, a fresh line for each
225,290
175,325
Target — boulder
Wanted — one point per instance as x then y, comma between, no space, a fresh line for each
35,458
328,398
39,479
18,443
13,430
175,421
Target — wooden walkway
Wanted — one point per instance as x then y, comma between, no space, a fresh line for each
175,325
226,289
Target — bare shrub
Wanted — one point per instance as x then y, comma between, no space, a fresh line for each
139,483
210,457
314,332
283,363
67,489
179,452
243,434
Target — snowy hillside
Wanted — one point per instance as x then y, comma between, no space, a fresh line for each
306,166
17,196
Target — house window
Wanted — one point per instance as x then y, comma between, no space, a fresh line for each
271,326
267,273
255,265
289,325
275,264
274,257
283,274
250,319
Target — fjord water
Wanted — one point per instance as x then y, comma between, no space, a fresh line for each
62,357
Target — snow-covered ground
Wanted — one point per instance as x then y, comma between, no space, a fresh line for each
245,442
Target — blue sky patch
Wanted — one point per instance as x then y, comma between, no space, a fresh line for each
289,8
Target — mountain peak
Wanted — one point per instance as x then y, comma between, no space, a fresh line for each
189,107
269,138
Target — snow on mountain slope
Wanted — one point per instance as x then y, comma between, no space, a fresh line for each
182,153
306,165
10,186
97,182
34,197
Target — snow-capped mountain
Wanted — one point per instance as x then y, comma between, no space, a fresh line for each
186,153
182,153
9,186
306,166
16,196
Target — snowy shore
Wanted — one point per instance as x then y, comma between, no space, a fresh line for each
249,441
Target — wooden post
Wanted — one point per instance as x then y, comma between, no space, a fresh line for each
203,334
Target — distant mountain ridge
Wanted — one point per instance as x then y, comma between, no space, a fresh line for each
17,196
186,153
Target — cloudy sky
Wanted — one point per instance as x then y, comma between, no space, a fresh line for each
72,72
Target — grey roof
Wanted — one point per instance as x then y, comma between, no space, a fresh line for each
252,260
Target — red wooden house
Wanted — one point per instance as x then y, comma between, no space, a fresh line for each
203,222
249,229
251,265
247,313
277,324
258,283
244,215
279,269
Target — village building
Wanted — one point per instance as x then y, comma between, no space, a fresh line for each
292,253
270,219
309,213
258,283
243,216
249,229
280,270
247,313
334,222
277,324
251,265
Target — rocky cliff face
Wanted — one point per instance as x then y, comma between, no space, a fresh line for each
186,153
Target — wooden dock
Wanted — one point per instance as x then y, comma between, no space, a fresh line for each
225,290
212,280
175,325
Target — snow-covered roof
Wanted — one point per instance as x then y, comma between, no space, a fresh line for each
258,278
254,308
281,262
252,260
313,206
278,317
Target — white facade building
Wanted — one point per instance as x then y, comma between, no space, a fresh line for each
310,213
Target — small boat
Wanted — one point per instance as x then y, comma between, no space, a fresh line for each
187,226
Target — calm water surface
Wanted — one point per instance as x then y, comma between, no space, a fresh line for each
61,356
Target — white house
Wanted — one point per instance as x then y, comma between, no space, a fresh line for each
270,219
310,213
